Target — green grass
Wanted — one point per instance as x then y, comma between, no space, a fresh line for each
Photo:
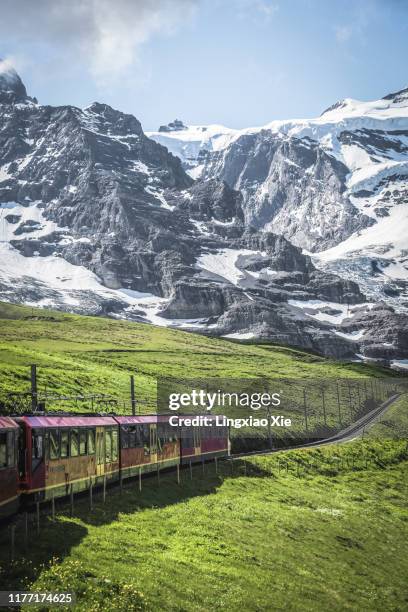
330,533
77,355
318,529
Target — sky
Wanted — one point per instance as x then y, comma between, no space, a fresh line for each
239,63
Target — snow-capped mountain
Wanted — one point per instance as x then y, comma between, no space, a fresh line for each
95,217
337,185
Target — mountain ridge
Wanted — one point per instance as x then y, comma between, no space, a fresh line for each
321,182
95,217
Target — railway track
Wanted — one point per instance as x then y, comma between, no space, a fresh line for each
347,434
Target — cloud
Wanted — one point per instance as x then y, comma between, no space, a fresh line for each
343,33
106,36
258,10
6,65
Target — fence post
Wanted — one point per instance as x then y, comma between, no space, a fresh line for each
305,407
132,394
269,428
191,471
216,465
91,496
324,407
140,479
350,402
71,496
338,403
34,390
178,473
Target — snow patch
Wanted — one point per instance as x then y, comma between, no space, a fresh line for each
226,264
320,310
240,335
355,335
399,364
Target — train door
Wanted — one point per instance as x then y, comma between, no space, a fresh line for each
22,452
100,451
153,443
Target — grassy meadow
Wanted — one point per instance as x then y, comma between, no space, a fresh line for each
82,355
299,530
305,530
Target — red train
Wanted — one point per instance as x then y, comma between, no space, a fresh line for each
9,477
49,455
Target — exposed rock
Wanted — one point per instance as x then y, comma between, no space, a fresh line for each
98,218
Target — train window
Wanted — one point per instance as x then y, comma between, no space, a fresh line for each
74,445
132,437
197,436
54,444
161,436
140,435
10,449
82,441
165,434
187,437
115,449
124,437
3,450
146,438
91,441
172,433
108,446
64,443
37,445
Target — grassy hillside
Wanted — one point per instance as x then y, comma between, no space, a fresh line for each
300,530
307,530
78,354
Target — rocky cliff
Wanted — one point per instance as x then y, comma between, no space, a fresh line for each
95,217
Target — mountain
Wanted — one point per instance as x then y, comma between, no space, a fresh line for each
98,218
337,186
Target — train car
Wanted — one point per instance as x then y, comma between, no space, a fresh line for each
145,442
202,442
214,441
58,454
168,442
9,478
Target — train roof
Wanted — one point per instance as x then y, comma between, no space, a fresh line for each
68,421
140,419
156,418
92,420
7,423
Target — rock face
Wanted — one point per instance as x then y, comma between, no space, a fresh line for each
336,186
12,89
95,217
291,186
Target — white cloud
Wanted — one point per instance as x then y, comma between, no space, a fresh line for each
258,10
343,33
105,35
